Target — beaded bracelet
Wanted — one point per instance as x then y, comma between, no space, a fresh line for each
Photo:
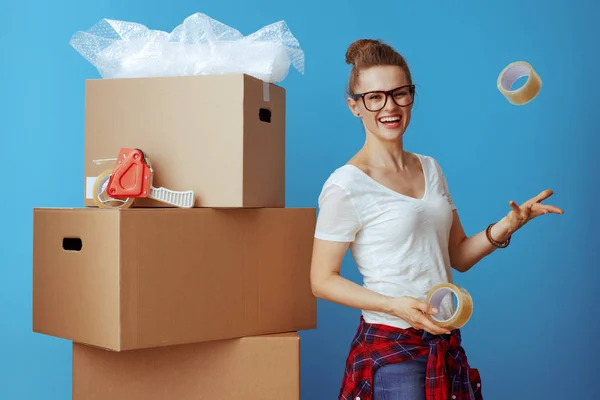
488,233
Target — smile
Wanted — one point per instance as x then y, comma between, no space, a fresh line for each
391,121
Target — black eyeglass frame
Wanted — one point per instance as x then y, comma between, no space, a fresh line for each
386,93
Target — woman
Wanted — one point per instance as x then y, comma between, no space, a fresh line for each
394,211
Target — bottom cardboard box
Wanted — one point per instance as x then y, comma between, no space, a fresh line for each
258,367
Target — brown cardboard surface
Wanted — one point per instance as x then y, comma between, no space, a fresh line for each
148,277
253,368
204,133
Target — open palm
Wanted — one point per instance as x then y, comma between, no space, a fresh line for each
520,215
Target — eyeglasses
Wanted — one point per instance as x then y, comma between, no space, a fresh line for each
403,96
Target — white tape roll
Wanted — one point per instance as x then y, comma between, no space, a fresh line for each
464,308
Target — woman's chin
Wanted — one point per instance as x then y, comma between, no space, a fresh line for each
391,135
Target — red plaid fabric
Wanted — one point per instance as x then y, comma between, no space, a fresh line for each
448,373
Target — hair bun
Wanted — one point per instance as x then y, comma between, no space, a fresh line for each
360,46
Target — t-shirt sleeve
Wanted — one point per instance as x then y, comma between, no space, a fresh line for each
337,219
445,188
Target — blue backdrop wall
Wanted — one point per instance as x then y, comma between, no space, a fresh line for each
533,333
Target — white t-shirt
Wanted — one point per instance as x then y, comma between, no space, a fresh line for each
399,243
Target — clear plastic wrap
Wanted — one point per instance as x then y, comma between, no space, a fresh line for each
199,46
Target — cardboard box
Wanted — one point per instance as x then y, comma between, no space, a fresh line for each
222,136
265,368
149,277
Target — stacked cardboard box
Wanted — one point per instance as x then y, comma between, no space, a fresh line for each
180,303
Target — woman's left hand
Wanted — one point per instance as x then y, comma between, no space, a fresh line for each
520,215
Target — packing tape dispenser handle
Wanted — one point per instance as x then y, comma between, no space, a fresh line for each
510,74
464,308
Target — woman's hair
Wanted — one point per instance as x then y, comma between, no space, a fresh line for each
366,53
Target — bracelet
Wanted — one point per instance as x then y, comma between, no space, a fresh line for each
488,233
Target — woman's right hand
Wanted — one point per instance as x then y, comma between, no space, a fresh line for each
414,312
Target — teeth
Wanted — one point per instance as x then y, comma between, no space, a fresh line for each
389,119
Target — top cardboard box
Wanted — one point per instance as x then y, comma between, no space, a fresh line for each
222,136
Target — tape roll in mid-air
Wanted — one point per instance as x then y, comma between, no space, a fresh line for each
463,310
510,74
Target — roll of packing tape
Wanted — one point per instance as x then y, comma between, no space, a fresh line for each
525,93
463,310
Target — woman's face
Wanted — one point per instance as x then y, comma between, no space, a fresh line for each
382,116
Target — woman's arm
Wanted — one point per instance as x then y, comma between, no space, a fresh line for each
327,283
465,251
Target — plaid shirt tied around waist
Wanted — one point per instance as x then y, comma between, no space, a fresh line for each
448,373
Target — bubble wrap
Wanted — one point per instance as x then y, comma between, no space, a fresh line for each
200,45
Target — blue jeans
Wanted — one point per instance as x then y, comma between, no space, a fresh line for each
402,381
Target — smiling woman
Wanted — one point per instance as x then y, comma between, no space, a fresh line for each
393,209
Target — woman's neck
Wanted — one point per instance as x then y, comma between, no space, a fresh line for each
389,155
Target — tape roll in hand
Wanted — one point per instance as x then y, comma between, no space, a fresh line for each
463,310
510,74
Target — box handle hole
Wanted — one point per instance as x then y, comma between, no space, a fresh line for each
72,244
264,115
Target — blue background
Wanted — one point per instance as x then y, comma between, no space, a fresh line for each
534,331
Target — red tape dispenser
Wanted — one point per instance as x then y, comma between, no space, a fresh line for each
131,179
